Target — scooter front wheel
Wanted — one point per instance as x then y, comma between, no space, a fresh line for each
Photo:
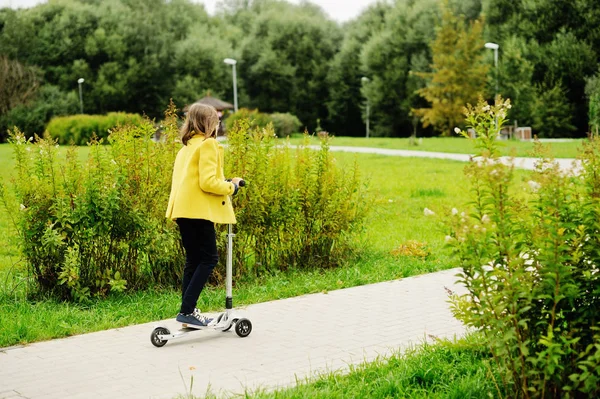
243,327
154,337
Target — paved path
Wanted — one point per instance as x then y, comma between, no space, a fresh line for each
566,164
292,338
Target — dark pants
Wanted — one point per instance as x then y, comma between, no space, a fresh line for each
201,257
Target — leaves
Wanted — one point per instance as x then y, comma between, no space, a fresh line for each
531,270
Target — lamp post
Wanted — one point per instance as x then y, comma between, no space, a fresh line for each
495,47
232,62
366,80
80,81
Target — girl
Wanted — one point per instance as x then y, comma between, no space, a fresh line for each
199,199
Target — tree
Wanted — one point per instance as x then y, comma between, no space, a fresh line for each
284,60
515,75
388,57
552,113
592,91
345,99
18,84
459,73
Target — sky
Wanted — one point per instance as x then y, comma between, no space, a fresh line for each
339,10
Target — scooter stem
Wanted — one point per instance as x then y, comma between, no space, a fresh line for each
229,297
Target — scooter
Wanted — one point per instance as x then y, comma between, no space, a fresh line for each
224,321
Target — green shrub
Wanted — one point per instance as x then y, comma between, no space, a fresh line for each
285,124
31,118
299,209
79,129
88,229
530,262
255,118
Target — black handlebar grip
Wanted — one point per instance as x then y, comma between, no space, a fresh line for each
242,183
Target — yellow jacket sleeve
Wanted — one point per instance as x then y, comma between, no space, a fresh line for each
208,168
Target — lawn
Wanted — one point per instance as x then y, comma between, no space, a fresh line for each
403,187
560,149
460,370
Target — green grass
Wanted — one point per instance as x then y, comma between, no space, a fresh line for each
455,145
449,370
403,187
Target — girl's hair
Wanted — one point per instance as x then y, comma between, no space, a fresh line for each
202,119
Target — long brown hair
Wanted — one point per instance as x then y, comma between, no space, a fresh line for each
200,119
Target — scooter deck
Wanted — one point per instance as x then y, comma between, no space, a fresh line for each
191,327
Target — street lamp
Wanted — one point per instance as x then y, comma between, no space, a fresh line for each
232,62
495,47
80,81
365,81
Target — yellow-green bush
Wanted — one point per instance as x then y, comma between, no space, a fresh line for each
299,208
90,228
284,124
253,116
531,267
79,129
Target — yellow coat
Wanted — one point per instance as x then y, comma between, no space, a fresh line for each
199,189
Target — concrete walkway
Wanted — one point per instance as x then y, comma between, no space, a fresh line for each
292,338
566,164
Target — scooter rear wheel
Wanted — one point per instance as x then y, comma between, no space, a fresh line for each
156,341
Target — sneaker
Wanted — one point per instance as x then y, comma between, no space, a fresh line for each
194,318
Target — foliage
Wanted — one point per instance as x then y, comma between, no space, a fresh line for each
86,230
298,210
286,124
562,48
286,52
531,267
18,84
552,116
345,100
253,116
31,118
400,46
592,90
89,229
79,129
459,73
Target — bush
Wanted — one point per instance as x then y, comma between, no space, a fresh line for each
530,263
299,208
255,119
285,124
31,118
79,129
88,229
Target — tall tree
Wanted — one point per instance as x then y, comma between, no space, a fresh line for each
284,60
345,99
387,59
459,73
18,84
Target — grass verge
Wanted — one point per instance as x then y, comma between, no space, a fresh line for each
460,369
